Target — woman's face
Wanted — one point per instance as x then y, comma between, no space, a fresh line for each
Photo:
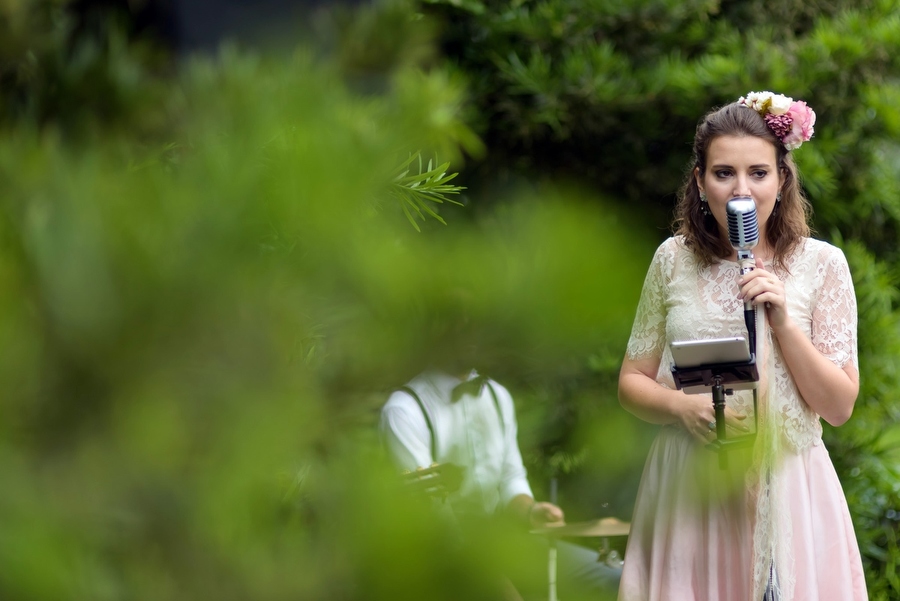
740,166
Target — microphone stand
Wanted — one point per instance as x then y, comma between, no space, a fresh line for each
747,262
743,233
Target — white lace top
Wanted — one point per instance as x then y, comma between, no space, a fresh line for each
683,301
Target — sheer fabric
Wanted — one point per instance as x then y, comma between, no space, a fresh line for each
702,533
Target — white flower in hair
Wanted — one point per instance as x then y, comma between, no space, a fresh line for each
767,102
780,104
758,101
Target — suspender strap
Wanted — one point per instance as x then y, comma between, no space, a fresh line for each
427,417
430,425
497,406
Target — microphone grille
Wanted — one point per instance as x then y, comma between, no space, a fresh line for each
743,226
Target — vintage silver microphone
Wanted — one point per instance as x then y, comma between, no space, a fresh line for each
743,233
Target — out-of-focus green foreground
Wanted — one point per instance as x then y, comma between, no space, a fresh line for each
197,332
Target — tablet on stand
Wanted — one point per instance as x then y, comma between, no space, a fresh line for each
718,366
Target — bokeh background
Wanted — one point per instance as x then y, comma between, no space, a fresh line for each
229,229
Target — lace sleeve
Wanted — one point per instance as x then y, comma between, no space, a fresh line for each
834,315
648,334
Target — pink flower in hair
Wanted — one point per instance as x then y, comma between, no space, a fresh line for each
804,118
779,124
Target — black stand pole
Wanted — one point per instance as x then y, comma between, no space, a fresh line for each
718,393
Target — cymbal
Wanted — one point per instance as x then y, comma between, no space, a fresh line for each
601,527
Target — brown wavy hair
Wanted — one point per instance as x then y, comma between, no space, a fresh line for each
784,228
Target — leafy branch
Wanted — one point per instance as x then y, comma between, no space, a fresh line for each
417,191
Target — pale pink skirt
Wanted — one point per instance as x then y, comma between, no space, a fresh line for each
691,533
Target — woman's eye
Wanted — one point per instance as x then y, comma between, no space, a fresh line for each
723,173
760,174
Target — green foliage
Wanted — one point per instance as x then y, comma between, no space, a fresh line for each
78,76
415,192
611,91
196,335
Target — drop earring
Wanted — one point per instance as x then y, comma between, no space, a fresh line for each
704,206
777,203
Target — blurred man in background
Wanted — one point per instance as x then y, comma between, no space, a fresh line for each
469,421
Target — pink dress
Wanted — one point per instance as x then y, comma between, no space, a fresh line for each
778,513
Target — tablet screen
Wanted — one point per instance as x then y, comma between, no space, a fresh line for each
692,353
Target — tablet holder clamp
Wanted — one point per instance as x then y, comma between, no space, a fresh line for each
715,378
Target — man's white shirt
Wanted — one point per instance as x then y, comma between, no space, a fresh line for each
469,432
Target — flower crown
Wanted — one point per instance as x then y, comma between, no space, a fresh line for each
791,120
